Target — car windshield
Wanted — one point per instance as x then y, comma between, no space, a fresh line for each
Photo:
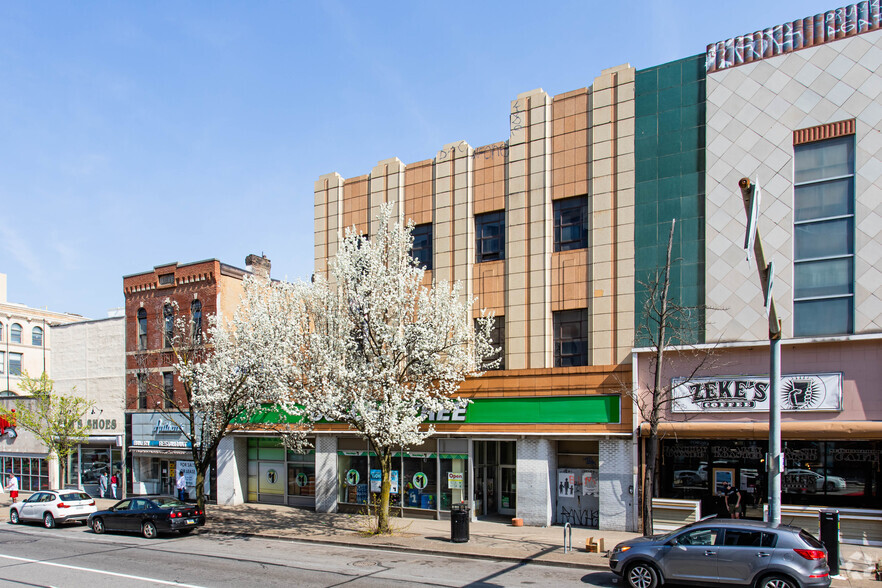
168,502
69,496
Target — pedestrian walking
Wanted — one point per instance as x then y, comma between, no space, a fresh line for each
102,484
732,496
114,483
181,485
12,487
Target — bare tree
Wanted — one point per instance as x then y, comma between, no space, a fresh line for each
670,330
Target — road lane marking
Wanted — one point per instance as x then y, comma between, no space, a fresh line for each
80,569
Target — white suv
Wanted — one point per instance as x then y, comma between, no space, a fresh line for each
53,507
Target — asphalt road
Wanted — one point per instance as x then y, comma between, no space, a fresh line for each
73,556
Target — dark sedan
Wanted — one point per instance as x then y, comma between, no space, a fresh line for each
148,516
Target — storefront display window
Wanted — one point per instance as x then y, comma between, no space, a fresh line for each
420,482
301,474
816,473
32,472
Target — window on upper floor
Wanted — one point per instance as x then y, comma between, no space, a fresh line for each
422,245
1,331
570,337
37,337
142,329
168,325
196,318
168,389
166,279
2,362
571,223
490,236
15,364
497,339
823,293
15,333
142,391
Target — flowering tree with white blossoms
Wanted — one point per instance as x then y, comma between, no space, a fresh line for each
375,349
230,372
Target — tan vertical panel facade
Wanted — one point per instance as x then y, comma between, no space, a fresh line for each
611,204
541,230
328,218
418,192
489,177
356,204
517,238
386,186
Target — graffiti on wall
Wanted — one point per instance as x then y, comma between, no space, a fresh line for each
847,21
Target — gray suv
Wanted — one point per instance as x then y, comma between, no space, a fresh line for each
724,551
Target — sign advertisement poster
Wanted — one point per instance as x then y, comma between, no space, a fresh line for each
566,484
802,393
454,480
589,483
377,481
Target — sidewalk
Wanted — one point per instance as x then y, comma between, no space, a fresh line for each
489,540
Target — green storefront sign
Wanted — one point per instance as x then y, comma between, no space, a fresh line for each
595,409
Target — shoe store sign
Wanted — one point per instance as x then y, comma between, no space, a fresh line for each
800,393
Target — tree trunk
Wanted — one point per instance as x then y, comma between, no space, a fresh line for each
649,481
383,527
200,487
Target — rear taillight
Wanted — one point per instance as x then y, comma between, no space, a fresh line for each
174,515
63,505
92,503
819,575
810,553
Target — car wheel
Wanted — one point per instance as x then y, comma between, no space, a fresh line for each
98,526
776,581
148,530
13,516
641,575
48,520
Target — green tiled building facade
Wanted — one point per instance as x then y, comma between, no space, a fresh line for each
670,164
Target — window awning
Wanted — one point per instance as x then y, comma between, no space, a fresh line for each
160,453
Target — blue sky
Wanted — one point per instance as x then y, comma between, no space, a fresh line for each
140,133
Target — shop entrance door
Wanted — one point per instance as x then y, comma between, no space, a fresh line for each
167,477
495,478
271,482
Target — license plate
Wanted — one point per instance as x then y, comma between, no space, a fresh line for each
190,521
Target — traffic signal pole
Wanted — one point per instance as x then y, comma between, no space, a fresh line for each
750,194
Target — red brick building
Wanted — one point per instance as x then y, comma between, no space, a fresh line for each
155,447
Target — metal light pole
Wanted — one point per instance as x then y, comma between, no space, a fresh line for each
750,194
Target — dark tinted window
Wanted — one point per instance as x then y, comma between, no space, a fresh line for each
571,223
570,337
422,245
490,236
769,540
743,538
75,496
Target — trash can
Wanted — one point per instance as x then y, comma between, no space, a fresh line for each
830,537
459,523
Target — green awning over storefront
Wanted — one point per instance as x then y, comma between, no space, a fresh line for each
594,409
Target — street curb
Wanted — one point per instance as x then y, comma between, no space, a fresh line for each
589,566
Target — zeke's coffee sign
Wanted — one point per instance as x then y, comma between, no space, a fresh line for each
750,394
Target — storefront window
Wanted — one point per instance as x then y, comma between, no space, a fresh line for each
353,478
301,474
32,473
352,471
816,473
420,482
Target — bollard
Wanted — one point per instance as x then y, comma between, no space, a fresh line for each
829,523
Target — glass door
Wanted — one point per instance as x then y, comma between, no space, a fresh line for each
507,490
271,482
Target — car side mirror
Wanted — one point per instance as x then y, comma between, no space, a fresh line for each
673,542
